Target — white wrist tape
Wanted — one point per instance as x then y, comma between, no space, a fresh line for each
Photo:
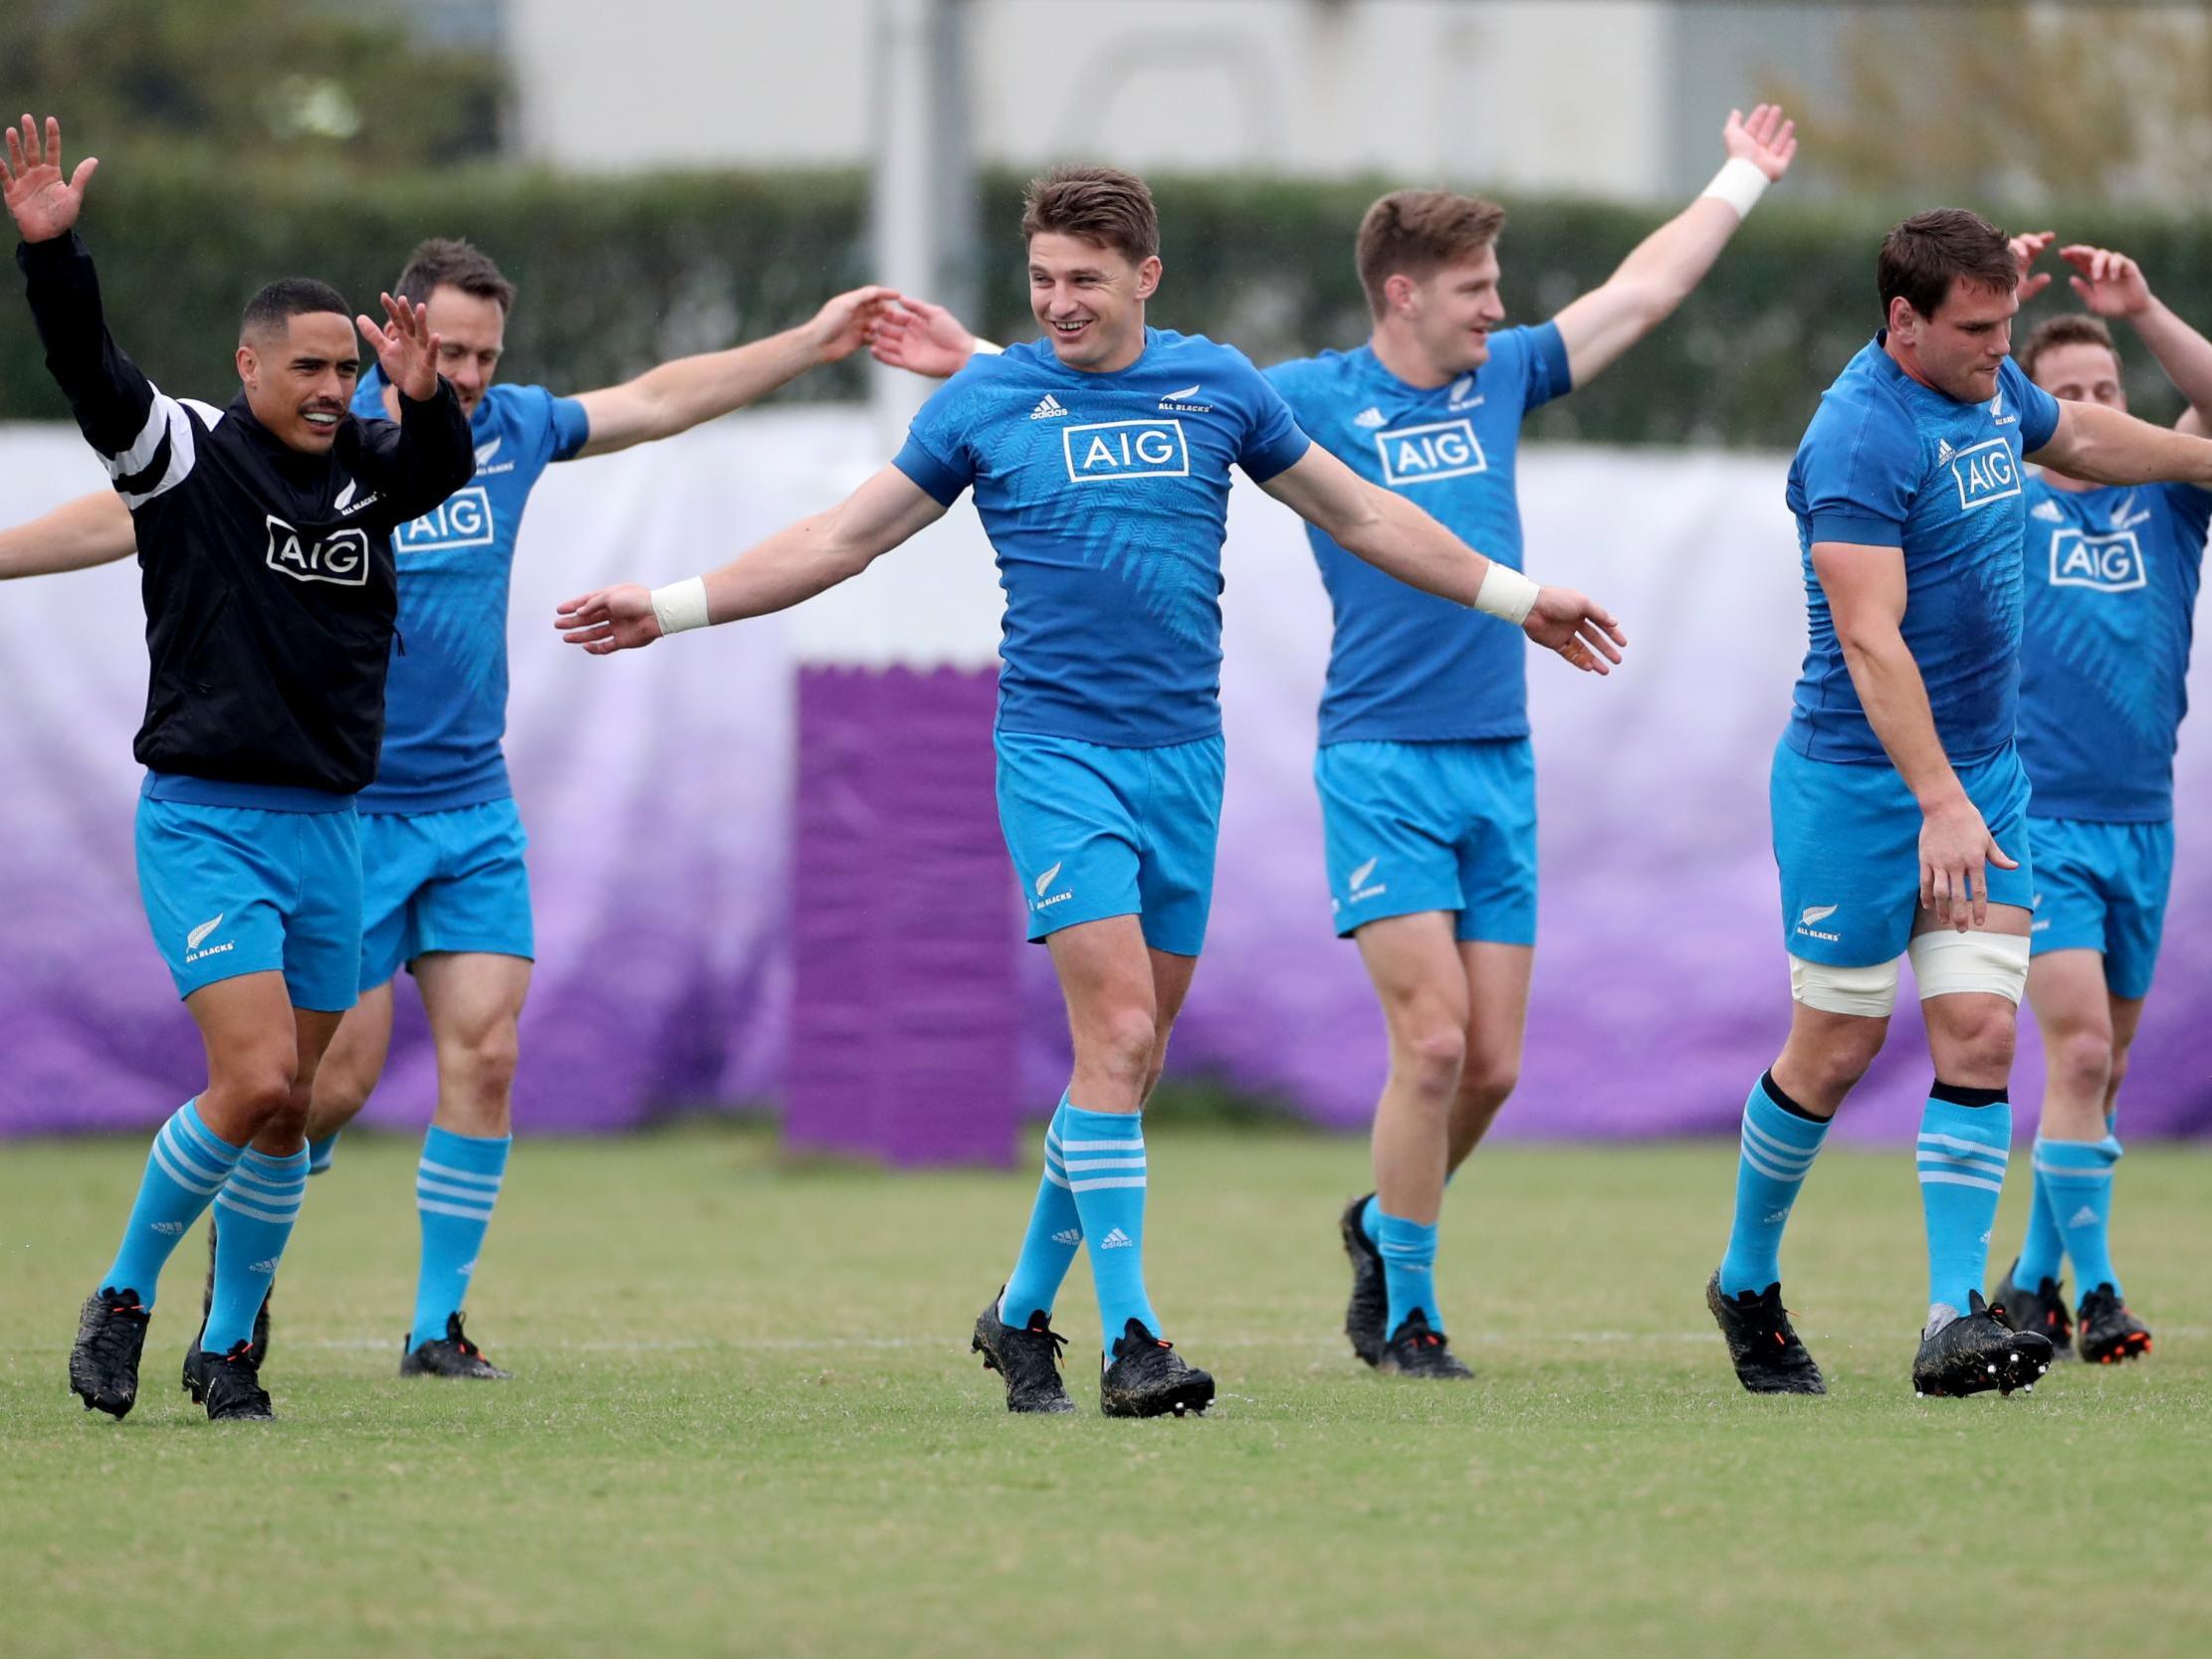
984,349
1506,592
681,606
1740,183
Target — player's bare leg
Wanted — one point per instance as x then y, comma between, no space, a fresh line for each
1497,1024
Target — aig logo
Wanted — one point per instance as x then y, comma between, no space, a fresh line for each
1424,454
2110,564
340,557
1985,473
463,520
1124,449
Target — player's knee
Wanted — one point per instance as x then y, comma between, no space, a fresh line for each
1489,1081
2115,1074
487,1058
1428,1056
1973,1041
2082,1063
1123,1043
263,1087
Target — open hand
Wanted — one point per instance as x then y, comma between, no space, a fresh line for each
921,338
1956,850
2027,248
1767,139
407,349
612,619
2110,284
847,323
43,204
1578,629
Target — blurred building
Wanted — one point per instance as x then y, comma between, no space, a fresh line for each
1616,98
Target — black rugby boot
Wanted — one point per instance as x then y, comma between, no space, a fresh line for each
1977,1351
2040,1310
1369,1307
2110,1333
231,1387
1148,1378
1762,1343
452,1354
1028,1358
104,1360
1417,1350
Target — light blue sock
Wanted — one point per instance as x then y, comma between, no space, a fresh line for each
1965,1143
255,1215
2076,1179
1408,1250
2043,1249
1055,1234
184,1171
1371,1216
456,1186
1779,1144
1104,1155
320,1152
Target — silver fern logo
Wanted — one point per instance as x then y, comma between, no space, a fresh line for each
1044,880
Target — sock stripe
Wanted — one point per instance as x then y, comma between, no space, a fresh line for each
1056,1177
1098,1181
228,1200
436,1208
1777,1149
1075,1164
264,1189
439,1190
1938,1178
196,1153
1974,1165
474,1176
1982,1148
2072,1171
1134,1143
185,1119
190,1182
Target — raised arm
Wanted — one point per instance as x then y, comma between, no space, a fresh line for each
1865,588
923,340
2113,285
92,530
2107,447
793,564
428,456
1399,539
678,395
1660,269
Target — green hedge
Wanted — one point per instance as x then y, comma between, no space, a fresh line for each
620,273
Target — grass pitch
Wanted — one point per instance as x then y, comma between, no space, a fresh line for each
747,1423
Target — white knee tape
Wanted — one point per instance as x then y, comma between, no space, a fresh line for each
1947,962
1869,992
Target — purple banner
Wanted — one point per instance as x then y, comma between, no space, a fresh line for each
658,789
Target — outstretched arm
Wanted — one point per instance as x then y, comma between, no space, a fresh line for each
2107,447
1399,539
678,395
1866,589
796,563
925,340
92,530
2113,285
1660,270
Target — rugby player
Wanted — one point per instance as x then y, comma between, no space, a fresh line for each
447,891
2111,580
270,590
1100,456
1899,799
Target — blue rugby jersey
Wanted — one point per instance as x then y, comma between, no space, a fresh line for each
2112,578
1890,463
1406,666
445,702
1106,499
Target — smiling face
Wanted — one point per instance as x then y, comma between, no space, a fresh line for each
1959,348
1448,315
1089,300
300,377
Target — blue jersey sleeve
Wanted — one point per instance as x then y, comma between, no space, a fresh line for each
1545,374
1861,469
1273,441
572,427
936,455
2039,410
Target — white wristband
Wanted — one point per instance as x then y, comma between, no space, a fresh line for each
1506,592
1740,183
984,349
681,606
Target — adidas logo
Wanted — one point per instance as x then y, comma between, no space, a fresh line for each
1047,407
1944,453
169,1229
1775,1218
269,1266
2083,1217
1069,1235
1044,880
1371,418
465,1269
1116,1240
2048,511
192,939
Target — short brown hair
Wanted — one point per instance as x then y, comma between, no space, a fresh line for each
449,261
1924,256
2067,328
1094,204
1416,233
